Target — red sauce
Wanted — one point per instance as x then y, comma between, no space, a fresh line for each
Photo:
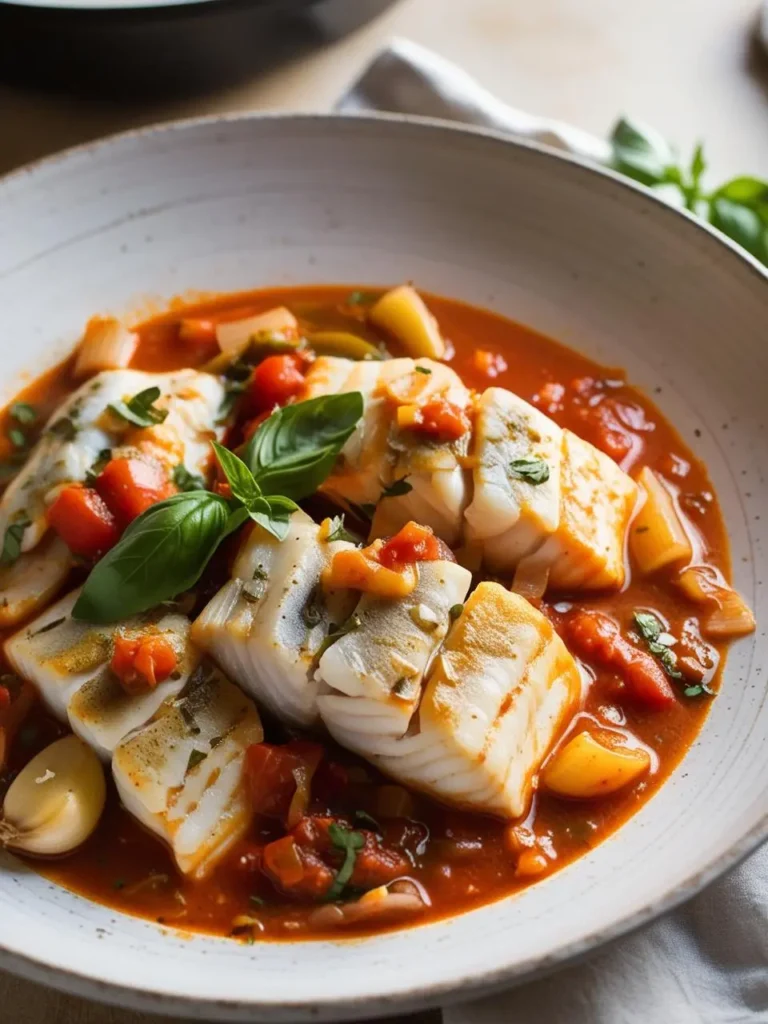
462,859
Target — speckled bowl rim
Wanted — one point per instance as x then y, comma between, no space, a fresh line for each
475,984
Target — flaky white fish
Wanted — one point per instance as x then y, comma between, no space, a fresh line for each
494,704
267,624
372,676
181,774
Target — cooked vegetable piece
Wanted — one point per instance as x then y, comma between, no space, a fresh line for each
82,519
657,537
55,802
593,765
107,345
343,344
234,336
130,485
181,774
596,637
403,314
267,624
140,663
276,380
731,616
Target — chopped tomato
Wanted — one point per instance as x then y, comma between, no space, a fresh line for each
141,662
83,521
198,332
413,543
276,380
279,775
438,418
489,363
130,485
598,638
283,862
375,863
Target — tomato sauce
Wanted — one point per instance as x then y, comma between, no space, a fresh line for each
461,859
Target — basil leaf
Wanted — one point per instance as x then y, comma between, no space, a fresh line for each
745,190
273,513
239,477
640,152
534,470
741,224
23,413
140,410
14,536
185,480
294,450
397,488
350,842
161,554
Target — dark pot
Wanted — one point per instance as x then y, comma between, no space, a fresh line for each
135,47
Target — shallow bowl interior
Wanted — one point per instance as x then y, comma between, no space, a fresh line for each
221,205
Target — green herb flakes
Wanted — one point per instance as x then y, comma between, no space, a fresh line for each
350,842
140,410
23,413
397,488
533,470
14,535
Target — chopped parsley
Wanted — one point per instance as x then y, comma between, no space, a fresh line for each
140,410
187,481
195,758
422,369
533,470
64,428
337,531
14,536
397,488
98,467
17,438
49,625
658,643
455,611
257,901
23,413
312,613
350,842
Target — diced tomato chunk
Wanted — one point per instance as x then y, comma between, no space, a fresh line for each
598,638
276,380
442,419
140,663
130,485
83,521
274,774
377,864
283,862
413,543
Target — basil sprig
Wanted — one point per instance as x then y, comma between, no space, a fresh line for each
294,450
161,554
165,550
272,512
739,208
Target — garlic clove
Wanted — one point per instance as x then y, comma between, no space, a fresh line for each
55,802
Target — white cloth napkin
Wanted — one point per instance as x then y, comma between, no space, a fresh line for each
706,963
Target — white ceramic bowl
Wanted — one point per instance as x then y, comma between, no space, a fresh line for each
574,252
